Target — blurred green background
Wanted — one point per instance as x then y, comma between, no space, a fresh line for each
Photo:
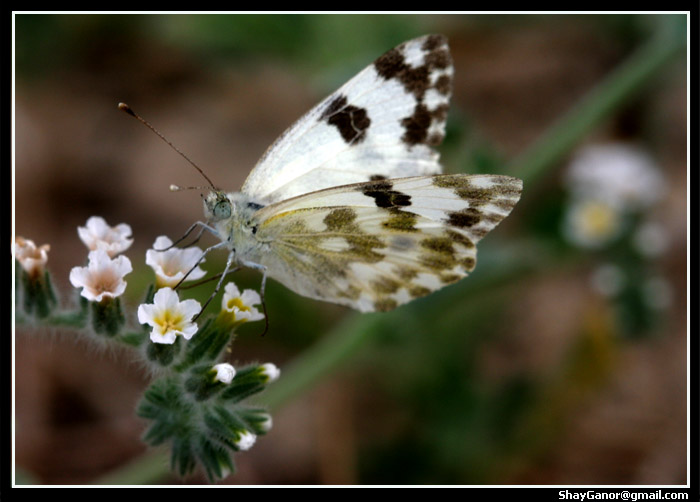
561,360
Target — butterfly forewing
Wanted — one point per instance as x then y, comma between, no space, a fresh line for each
383,123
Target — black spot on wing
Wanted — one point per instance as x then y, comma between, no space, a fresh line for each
390,64
433,42
255,206
384,196
351,121
465,218
434,73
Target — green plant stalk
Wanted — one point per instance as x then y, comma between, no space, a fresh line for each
622,84
345,340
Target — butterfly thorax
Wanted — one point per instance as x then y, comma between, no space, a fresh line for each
231,215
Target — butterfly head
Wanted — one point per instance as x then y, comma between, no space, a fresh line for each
217,206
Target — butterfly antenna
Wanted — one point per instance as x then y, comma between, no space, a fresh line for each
127,109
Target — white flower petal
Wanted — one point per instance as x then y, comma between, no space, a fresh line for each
103,277
166,338
97,234
166,299
620,174
224,373
169,316
171,265
231,290
271,371
250,297
190,308
32,259
246,440
122,265
146,312
79,276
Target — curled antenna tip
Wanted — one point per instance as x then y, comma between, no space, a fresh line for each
126,108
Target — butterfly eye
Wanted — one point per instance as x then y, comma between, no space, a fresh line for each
222,210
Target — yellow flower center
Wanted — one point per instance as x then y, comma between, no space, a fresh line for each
600,219
169,322
238,303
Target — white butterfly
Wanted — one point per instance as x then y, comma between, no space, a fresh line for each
349,206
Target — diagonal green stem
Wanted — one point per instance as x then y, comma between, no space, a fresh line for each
627,79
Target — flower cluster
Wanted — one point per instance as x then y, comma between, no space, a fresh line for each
37,296
32,258
171,265
608,183
612,191
196,401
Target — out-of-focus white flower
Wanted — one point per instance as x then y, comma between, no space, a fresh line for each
169,317
32,259
240,307
271,371
592,223
608,280
224,373
171,266
651,239
96,234
621,175
103,277
245,441
658,293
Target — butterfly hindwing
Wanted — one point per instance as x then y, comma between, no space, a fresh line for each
376,245
383,123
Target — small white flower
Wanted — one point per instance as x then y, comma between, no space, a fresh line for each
103,277
96,234
608,280
171,266
658,293
651,239
245,441
224,373
621,175
266,424
169,316
271,371
33,259
241,306
592,223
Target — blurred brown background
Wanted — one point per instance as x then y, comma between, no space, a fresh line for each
543,388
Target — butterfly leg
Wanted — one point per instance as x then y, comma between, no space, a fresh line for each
263,269
229,262
210,248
